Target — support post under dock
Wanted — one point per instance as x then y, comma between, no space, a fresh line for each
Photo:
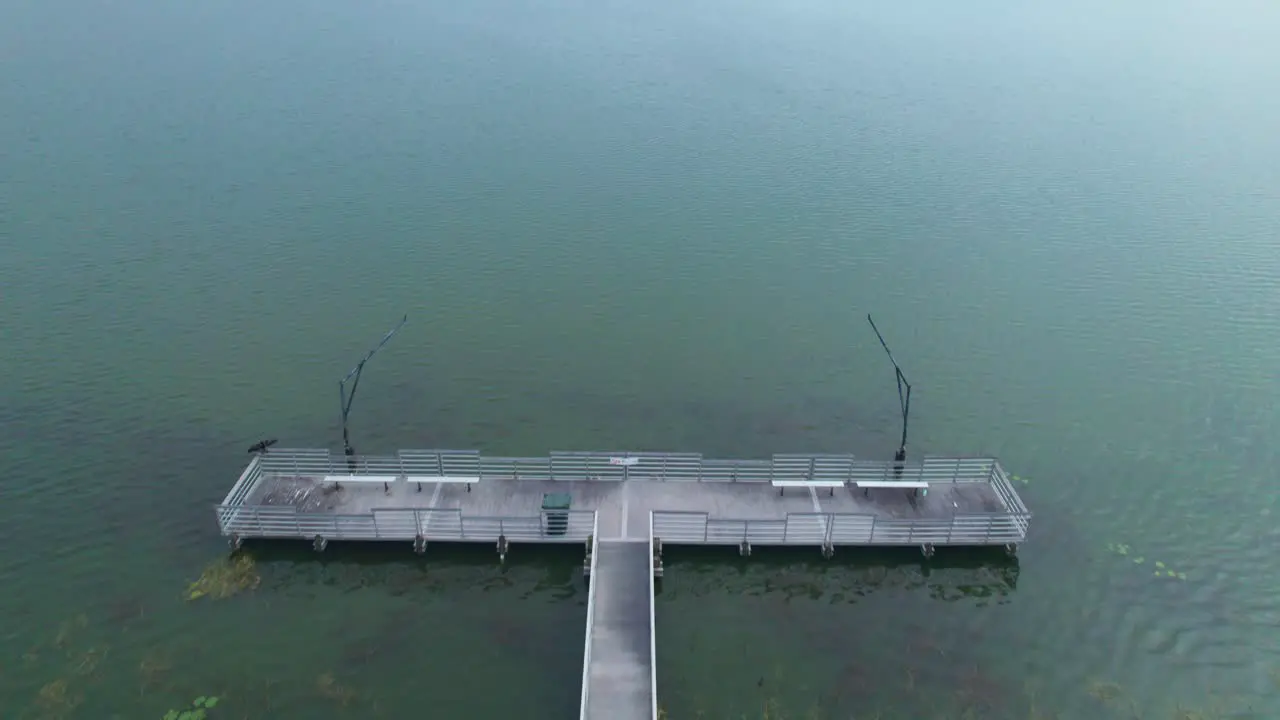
620,665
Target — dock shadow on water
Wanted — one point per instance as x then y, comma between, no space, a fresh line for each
868,634
322,635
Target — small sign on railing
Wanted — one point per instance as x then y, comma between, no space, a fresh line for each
624,461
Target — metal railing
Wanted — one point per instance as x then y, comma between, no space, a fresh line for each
594,542
698,528
618,466
653,628
448,524
1009,497
235,517
230,506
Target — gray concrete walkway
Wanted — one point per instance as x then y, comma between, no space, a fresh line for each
620,675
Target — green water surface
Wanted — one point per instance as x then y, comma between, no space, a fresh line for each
648,226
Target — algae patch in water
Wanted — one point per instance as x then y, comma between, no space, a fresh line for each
328,687
1105,692
225,577
56,700
199,709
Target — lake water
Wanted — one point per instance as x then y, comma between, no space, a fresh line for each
643,226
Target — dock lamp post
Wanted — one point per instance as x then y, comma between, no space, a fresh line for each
904,400
347,399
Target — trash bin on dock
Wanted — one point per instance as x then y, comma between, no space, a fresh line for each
555,506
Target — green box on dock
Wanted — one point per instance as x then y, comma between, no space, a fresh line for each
557,522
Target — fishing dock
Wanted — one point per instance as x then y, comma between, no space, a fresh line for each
623,508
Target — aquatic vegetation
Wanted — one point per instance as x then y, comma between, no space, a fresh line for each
1118,548
978,691
1020,479
1161,570
770,709
125,610
57,700
69,628
199,709
329,687
86,663
225,577
151,668
1181,713
1105,692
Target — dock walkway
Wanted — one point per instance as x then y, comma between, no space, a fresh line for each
619,665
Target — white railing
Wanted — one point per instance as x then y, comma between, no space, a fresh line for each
234,517
447,524
653,629
236,496
591,617
699,528
617,466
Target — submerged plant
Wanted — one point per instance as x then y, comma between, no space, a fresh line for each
69,628
151,668
56,700
329,687
1104,691
225,577
86,663
199,709
1118,548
